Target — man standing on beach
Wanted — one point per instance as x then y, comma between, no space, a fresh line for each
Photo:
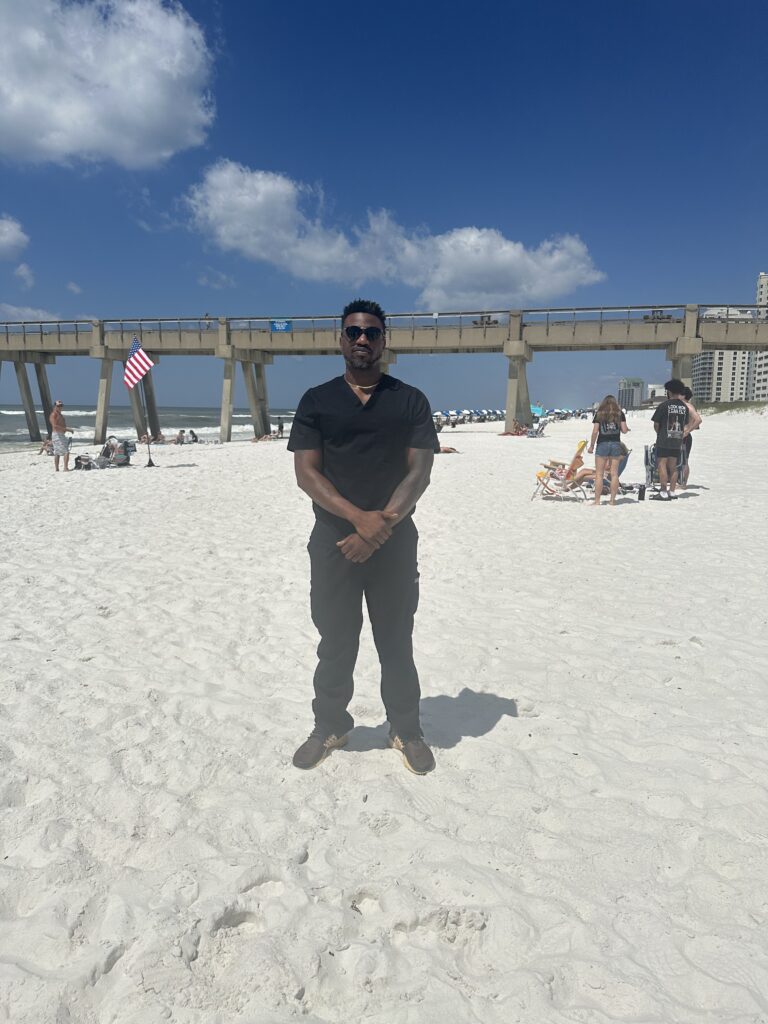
363,447
59,439
671,423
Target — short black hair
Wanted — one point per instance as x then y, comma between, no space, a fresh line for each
364,306
687,394
675,387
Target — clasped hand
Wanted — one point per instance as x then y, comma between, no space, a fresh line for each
372,530
355,549
375,528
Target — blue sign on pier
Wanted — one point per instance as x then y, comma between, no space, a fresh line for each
281,326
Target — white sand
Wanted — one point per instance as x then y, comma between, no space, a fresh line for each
593,845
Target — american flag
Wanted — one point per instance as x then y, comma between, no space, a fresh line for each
137,365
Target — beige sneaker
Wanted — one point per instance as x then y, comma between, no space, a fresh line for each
316,748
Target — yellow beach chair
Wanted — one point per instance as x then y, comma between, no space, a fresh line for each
556,478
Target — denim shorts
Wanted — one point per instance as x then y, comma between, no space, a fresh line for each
609,449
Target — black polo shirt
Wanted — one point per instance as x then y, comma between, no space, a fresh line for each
364,445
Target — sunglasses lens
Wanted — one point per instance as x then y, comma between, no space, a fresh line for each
353,332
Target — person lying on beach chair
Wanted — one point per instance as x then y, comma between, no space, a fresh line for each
590,475
558,479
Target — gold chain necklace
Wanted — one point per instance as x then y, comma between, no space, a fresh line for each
362,387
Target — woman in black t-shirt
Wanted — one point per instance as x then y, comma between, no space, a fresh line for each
609,424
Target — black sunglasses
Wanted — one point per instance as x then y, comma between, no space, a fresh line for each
353,332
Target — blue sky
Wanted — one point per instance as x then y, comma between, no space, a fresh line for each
281,158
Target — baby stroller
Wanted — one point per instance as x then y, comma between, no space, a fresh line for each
652,481
116,452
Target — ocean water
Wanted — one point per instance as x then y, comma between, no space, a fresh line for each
14,435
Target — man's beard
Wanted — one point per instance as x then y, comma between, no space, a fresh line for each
361,360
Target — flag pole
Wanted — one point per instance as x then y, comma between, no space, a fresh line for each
146,424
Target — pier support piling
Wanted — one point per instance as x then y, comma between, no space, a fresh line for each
227,399
45,395
260,372
138,410
260,427
682,352
518,353
102,403
26,400
388,358
149,397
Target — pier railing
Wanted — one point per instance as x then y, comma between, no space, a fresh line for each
263,331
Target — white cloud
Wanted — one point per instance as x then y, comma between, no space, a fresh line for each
122,80
14,313
12,238
74,288
271,218
25,275
210,278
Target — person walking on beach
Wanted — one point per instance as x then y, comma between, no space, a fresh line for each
672,423
688,442
363,447
280,426
59,439
609,424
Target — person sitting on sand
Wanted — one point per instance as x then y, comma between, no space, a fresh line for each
46,447
180,437
518,430
193,438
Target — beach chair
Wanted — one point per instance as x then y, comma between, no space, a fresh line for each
116,452
556,478
538,430
652,481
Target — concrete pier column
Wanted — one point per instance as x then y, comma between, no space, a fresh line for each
259,427
681,353
518,399
260,372
137,410
45,394
102,403
149,397
26,400
518,353
387,359
227,400
682,369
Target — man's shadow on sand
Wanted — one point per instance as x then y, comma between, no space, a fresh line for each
446,720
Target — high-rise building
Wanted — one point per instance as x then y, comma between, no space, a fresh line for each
723,376
631,392
760,375
761,298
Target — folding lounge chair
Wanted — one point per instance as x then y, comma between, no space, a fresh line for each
652,481
556,479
